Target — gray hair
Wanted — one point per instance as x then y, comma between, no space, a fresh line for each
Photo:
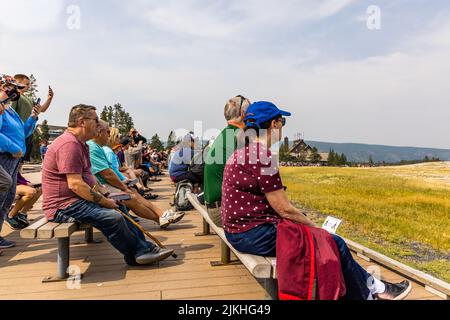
103,124
235,107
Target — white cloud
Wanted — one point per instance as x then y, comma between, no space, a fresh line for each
25,15
232,18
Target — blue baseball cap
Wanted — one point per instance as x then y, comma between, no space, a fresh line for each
262,111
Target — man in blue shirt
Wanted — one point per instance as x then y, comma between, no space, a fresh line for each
13,132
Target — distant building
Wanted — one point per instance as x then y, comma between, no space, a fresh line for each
53,131
301,150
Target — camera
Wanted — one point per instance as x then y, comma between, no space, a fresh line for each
12,93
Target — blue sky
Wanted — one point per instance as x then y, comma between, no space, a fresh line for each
173,62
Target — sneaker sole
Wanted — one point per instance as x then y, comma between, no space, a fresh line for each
7,247
168,223
405,293
155,260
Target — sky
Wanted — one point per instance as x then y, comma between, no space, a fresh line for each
172,62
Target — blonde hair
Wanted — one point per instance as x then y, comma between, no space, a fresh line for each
113,136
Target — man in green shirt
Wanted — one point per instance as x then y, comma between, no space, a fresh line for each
24,106
223,147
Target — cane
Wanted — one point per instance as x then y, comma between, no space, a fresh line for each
137,225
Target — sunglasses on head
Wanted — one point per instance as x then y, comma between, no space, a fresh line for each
242,102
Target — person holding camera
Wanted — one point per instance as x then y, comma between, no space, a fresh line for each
24,106
13,132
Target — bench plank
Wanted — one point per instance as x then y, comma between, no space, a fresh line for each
46,231
258,266
30,232
64,230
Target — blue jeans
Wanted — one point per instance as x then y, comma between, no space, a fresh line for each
10,167
262,241
121,233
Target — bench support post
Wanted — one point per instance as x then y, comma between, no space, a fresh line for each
206,230
271,287
225,256
62,261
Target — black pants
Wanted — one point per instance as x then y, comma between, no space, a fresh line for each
29,145
192,177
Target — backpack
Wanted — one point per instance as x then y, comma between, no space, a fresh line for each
180,199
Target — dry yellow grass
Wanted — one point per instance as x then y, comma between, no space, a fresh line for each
403,212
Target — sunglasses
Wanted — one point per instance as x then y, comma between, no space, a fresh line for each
242,102
282,120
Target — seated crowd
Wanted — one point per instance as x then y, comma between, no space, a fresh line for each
243,190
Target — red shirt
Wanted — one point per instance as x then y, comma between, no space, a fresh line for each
249,174
66,155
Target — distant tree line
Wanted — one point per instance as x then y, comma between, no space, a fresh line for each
336,159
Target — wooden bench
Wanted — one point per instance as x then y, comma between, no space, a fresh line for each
262,268
42,229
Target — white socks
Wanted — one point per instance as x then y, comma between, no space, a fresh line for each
375,285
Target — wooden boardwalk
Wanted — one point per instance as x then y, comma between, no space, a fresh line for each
106,276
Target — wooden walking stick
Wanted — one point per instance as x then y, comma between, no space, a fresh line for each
137,225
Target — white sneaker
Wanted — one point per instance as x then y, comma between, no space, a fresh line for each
170,217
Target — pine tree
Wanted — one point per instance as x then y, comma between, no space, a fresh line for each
343,160
331,158
371,161
32,91
156,143
117,117
45,131
315,156
171,141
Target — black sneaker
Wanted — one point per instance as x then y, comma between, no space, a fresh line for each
395,291
5,244
24,218
15,223
150,196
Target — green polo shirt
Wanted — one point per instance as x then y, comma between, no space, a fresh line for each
215,162
23,107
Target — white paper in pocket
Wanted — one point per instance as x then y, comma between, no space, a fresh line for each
331,224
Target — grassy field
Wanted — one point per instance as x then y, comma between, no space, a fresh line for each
402,212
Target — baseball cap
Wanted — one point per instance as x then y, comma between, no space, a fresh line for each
262,111
125,141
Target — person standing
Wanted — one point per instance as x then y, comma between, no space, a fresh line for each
13,132
24,105
43,149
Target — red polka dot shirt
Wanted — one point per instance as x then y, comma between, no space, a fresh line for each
249,174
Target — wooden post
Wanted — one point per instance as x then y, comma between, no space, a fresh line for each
89,235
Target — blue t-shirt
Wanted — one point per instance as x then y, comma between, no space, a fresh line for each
99,161
114,162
